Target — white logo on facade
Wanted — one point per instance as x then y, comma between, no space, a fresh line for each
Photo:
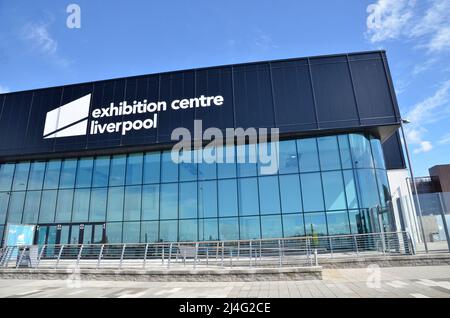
68,120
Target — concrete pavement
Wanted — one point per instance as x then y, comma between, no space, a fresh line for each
418,282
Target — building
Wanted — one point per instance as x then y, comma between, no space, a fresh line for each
91,162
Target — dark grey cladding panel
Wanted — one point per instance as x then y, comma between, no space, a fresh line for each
303,95
393,152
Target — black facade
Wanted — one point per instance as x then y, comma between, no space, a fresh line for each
302,96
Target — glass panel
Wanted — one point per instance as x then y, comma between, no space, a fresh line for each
227,197
207,195
131,232
113,232
134,169
16,207
329,153
338,223
227,169
21,176
207,171
315,224
132,210
149,232
48,206
75,234
84,172
333,188
228,229
168,231
288,157
101,172
188,200
291,198
208,229
87,234
150,202
68,169
52,171
377,151
64,206
271,226
31,209
350,189
269,157
6,176
152,167
358,223
188,170
169,169
64,235
248,196
169,201
188,230
117,170
80,211
361,152
383,187
293,225
250,228
115,204
98,234
368,188
269,195
36,178
98,205
246,160
312,192
344,147
307,155
4,200
42,235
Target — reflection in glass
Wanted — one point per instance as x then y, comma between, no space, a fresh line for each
293,225
68,169
132,209
248,196
117,170
271,226
21,176
113,233
333,188
115,204
64,206
131,232
36,178
188,230
6,176
48,206
150,202
329,153
207,196
80,211
250,228
269,195
84,172
288,157
315,224
98,205
307,155
291,198
168,231
312,192
151,167
134,169
169,201
208,229
227,197
338,223
51,179
228,229
169,169
188,200
149,232
31,209
101,172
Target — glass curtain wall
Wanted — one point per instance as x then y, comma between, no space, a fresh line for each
324,186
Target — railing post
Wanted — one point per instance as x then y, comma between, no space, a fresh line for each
170,255
207,256
121,255
21,257
279,253
250,252
238,250
79,254
383,243
231,258
223,251
355,241
331,245
59,256
145,256
100,255
316,260
40,256
196,255
162,253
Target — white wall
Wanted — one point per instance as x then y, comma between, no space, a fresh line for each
400,189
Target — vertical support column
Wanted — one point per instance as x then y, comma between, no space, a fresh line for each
100,255
444,221
145,256
121,255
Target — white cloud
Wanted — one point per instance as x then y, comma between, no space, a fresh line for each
432,109
408,19
41,40
4,89
445,139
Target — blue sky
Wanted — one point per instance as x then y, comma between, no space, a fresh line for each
122,38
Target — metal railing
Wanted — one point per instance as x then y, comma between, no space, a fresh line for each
299,251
